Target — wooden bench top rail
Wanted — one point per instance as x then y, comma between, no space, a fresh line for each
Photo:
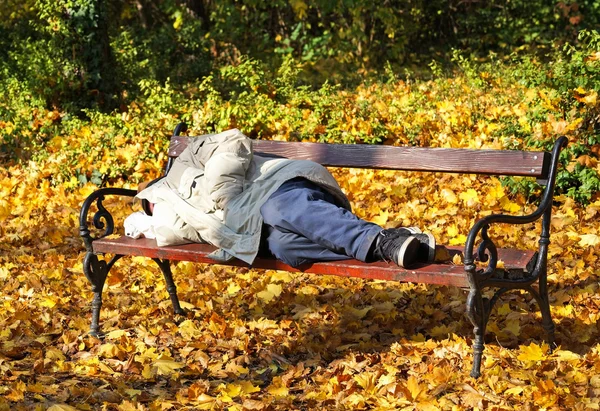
490,162
439,274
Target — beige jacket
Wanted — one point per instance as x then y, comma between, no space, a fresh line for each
214,191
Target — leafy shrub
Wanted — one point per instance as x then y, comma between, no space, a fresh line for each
90,53
559,96
85,78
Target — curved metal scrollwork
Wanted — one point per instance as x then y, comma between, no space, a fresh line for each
103,213
102,218
487,251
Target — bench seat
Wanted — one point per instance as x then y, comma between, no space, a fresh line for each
440,274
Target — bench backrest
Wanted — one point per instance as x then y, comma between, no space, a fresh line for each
491,162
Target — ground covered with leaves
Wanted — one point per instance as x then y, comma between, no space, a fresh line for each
273,340
267,340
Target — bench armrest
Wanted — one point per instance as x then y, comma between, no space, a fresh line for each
487,249
102,214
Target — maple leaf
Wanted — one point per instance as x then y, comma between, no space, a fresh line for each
415,389
109,351
189,330
282,276
513,326
17,391
165,365
452,231
448,195
355,401
509,206
458,240
133,392
497,191
129,406
186,305
236,369
470,197
232,390
515,391
595,381
279,392
457,259
116,334
204,402
589,240
5,209
55,354
367,380
566,355
272,291
359,313
532,353
386,379
381,219
48,302
233,289
248,388
250,404
61,407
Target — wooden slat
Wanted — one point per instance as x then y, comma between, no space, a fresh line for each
490,162
440,274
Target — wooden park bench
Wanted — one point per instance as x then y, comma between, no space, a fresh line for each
521,269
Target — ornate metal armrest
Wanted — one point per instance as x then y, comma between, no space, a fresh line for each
487,249
102,214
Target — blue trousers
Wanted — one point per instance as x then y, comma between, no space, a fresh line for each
303,224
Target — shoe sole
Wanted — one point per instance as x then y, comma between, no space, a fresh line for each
431,247
408,252
427,247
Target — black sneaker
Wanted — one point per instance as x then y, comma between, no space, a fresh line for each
400,249
426,248
406,230
426,251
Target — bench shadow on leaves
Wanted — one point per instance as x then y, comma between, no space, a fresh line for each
334,319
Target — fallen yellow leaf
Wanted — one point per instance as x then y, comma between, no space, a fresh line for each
531,353
272,291
166,366
589,240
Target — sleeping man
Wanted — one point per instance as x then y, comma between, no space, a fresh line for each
219,192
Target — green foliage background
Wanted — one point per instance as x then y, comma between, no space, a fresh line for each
352,71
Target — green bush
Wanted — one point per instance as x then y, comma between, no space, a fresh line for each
127,72
93,53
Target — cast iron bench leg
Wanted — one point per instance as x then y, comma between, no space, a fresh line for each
541,295
165,267
547,321
96,272
542,299
478,313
